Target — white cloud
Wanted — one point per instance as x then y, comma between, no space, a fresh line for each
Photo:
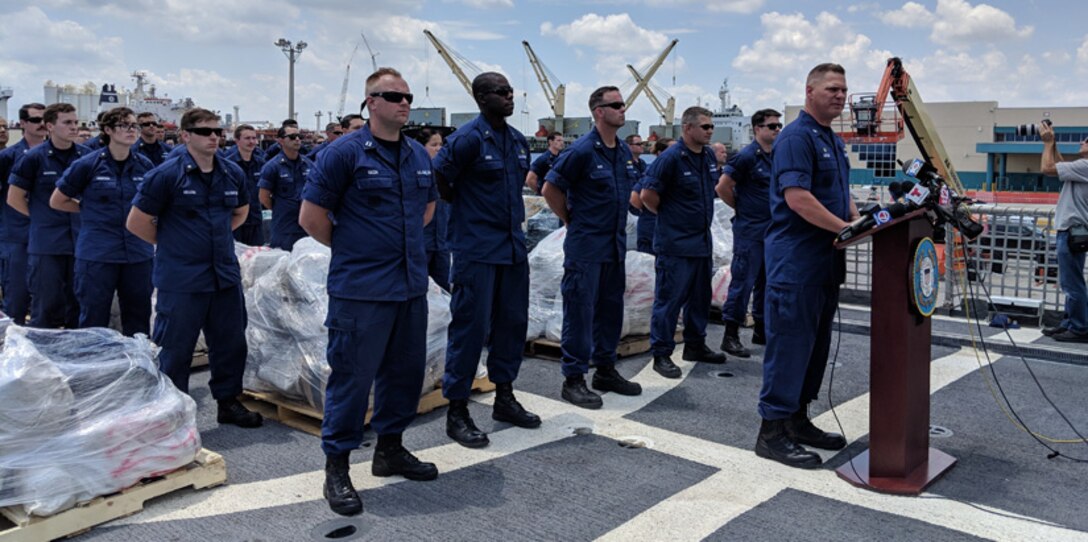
606,33
720,6
1082,55
489,4
911,15
958,23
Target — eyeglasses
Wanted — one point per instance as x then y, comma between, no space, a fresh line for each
501,91
126,126
34,120
147,124
707,126
293,137
614,105
206,132
771,125
394,97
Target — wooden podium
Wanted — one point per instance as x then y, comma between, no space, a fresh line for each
899,459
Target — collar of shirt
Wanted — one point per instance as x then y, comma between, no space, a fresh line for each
366,139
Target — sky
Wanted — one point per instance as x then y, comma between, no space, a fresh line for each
221,53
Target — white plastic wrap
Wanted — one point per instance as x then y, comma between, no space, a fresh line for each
721,233
85,413
719,286
287,303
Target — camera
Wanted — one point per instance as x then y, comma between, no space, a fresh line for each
1031,130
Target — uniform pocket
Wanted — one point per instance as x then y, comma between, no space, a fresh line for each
343,343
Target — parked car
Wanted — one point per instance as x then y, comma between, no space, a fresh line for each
1018,237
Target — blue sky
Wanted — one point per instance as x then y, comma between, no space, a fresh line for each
221,53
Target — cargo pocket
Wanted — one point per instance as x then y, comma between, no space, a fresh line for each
343,342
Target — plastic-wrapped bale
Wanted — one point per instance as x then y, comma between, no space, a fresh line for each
256,261
719,286
638,295
545,298
539,226
721,233
287,338
85,413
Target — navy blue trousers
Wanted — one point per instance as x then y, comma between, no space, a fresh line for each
52,288
592,314
179,319
644,231
383,343
15,282
438,267
799,320
489,305
681,283
748,277
96,283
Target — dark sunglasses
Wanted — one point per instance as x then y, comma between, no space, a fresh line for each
614,105
206,132
293,137
147,124
771,125
394,97
707,126
501,91
338,133
34,120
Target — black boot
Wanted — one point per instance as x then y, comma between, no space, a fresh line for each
606,378
338,491
773,443
508,409
391,458
459,426
759,334
231,411
700,352
576,393
664,366
801,430
731,342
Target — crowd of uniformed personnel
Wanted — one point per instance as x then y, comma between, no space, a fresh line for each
129,216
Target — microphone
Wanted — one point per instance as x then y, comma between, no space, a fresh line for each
875,217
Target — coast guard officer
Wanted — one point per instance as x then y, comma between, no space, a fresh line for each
149,144
52,239
188,207
16,226
282,179
251,232
589,190
543,163
679,187
810,204
368,199
481,171
109,258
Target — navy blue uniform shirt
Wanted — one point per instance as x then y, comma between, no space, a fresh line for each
541,166
285,179
751,169
51,231
486,171
809,156
685,182
436,234
105,189
377,206
252,170
155,152
195,251
597,181
14,226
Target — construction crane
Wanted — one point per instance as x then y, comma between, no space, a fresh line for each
448,55
373,55
640,86
344,87
667,112
556,96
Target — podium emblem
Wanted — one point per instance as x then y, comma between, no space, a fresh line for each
924,279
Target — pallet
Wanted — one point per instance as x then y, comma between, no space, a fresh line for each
208,470
199,360
628,346
307,419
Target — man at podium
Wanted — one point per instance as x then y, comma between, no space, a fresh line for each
810,203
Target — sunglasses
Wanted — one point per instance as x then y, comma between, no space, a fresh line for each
338,133
206,132
501,91
707,126
147,124
34,120
771,125
614,105
125,126
394,97
293,137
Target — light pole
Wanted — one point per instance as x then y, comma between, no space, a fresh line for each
318,115
292,52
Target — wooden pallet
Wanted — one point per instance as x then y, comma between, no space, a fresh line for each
199,360
308,419
629,346
208,470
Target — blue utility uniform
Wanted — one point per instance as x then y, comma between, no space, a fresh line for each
312,155
377,194
196,271
486,169
14,233
94,143
751,169
109,258
647,219
285,178
804,270
597,181
155,152
52,236
436,241
251,232
685,182
541,166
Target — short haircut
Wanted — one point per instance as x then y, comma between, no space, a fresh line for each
691,115
197,115
661,144
762,115
597,98
241,128
289,122
345,121
552,136
24,111
482,82
630,139
146,114
283,131
373,78
820,70
55,110
101,115
425,135
332,126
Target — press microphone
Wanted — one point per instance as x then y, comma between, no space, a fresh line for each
895,190
875,217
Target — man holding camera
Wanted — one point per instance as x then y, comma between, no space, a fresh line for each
1071,222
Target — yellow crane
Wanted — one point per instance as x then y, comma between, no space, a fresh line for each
667,111
448,54
557,95
641,85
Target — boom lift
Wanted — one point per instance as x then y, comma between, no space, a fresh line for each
557,95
